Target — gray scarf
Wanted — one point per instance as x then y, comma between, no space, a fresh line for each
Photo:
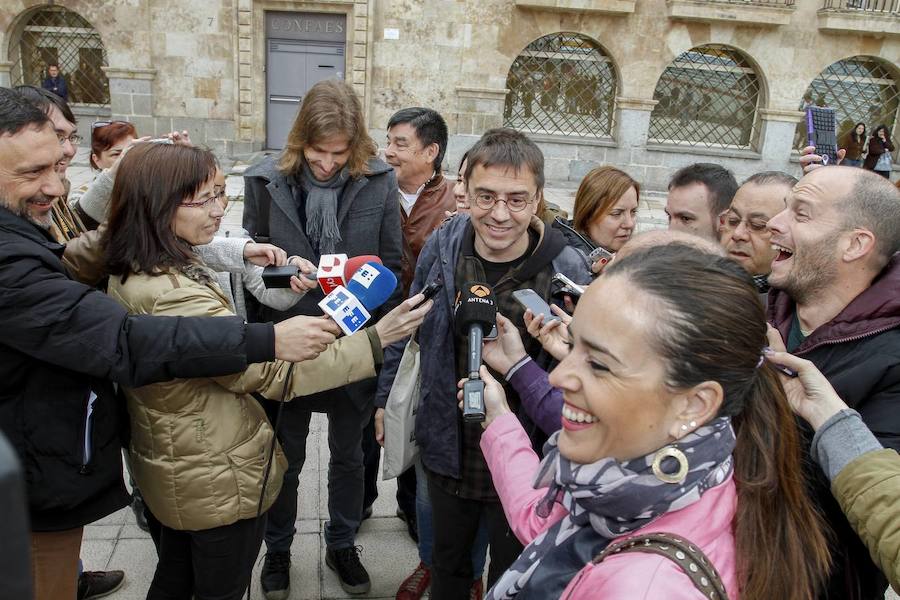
607,499
321,208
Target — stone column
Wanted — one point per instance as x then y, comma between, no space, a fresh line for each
5,74
131,97
778,128
479,109
633,121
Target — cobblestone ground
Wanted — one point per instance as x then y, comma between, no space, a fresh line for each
387,552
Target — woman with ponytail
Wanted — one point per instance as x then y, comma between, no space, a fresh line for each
673,424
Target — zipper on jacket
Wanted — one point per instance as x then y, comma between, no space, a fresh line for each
87,447
852,338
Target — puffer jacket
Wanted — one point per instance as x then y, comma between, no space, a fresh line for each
859,352
867,490
199,446
630,575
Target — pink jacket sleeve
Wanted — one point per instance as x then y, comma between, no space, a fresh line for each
513,465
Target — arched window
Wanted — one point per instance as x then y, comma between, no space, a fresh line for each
562,84
859,89
54,34
709,96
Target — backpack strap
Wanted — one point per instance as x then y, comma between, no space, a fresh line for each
682,552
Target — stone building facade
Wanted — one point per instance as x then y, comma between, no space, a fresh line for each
647,85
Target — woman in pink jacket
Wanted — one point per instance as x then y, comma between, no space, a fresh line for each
673,422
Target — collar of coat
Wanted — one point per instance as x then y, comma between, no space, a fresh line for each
875,310
12,223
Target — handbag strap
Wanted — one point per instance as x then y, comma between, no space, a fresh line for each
682,552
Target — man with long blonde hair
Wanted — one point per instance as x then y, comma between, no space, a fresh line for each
326,193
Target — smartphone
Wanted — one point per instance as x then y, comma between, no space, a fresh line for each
279,277
568,286
429,291
529,299
821,128
161,141
600,254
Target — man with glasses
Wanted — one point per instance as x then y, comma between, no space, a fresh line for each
743,231
501,242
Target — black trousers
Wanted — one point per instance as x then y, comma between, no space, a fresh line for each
212,564
406,482
456,522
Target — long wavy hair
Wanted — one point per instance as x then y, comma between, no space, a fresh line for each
330,108
713,328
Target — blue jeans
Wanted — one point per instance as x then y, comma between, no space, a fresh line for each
426,531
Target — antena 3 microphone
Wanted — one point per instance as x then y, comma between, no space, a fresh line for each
476,315
368,289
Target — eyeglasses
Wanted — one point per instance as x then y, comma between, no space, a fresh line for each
204,202
730,221
74,138
514,202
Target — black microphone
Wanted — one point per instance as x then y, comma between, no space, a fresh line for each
476,315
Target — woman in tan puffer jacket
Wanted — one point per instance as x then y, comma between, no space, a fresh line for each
199,446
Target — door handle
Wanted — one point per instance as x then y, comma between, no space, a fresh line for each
284,99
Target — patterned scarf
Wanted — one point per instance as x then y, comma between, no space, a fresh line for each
321,208
605,500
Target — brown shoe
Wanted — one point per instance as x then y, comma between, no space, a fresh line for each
414,586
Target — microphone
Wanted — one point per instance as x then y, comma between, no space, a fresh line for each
476,315
337,269
368,289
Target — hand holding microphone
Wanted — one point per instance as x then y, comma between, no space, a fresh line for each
350,307
495,403
476,315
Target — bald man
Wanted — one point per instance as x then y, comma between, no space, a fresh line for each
835,300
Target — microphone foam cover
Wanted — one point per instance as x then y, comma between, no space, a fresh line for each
372,284
353,264
477,305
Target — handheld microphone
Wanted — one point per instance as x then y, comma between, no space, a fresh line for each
330,274
350,267
476,315
368,289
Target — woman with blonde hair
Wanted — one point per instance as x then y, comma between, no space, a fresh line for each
606,206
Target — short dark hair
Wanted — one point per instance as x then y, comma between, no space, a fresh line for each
772,178
52,63
874,204
17,113
429,125
152,180
46,100
506,148
719,181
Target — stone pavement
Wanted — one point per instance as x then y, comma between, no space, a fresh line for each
387,551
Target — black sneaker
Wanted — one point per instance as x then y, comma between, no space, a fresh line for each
276,575
96,584
352,575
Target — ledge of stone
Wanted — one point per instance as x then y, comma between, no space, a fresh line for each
478,92
129,73
605,142
787,116
858,21
645,104
613,7
694,150
722,10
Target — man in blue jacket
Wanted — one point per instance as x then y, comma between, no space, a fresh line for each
504,244
65,343
55,82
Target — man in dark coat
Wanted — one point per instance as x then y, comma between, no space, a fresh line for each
65,343
326,193
55,82
835,300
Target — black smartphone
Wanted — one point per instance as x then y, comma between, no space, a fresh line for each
429,291
821,128
279,277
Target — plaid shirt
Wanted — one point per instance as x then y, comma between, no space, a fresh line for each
476,482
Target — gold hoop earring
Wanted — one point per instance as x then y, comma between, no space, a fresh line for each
670,452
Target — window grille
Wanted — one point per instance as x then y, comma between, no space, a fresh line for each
562,84
57,35
859,89
709,96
